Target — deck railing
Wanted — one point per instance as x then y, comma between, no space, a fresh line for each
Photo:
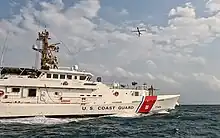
138,87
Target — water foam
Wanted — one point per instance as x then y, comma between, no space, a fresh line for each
53,121
129,115
41,120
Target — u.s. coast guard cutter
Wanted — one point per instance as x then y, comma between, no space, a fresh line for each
54,92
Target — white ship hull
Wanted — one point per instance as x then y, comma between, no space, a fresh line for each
148,105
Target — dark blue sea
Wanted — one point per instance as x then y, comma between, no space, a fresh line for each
189,121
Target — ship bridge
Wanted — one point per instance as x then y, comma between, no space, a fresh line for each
67,73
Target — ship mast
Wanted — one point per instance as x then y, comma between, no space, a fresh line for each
48,59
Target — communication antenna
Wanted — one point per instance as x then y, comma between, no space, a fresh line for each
37,56
4,49
37,46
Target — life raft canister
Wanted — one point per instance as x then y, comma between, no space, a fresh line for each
116,93
65,83
1,93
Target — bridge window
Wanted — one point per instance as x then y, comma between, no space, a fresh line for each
62,76
15,90
55,76
48,75
69,77
82,77
75,77
89,78
32,92
136,93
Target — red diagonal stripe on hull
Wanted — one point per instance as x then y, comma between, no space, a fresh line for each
148,103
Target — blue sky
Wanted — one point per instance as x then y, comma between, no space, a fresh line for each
152,11
178,53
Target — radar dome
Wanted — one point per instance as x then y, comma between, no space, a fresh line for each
115,84
76,67
35,46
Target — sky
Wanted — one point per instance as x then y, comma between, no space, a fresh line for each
178,53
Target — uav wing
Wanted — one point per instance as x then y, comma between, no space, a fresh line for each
142,30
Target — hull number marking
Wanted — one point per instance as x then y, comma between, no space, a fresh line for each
108,107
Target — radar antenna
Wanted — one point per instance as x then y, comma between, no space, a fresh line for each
48,59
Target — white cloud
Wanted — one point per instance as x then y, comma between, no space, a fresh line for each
187,11
162,53
150,76
120,72
124,12
167,79
180,75
150,63
87,8
211,80
188,59
82,32
213,6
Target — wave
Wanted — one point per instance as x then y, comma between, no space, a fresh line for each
42,120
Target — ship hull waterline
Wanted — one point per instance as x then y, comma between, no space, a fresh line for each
148,105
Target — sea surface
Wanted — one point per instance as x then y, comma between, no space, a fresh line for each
189,121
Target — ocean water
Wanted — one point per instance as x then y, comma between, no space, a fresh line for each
185,122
